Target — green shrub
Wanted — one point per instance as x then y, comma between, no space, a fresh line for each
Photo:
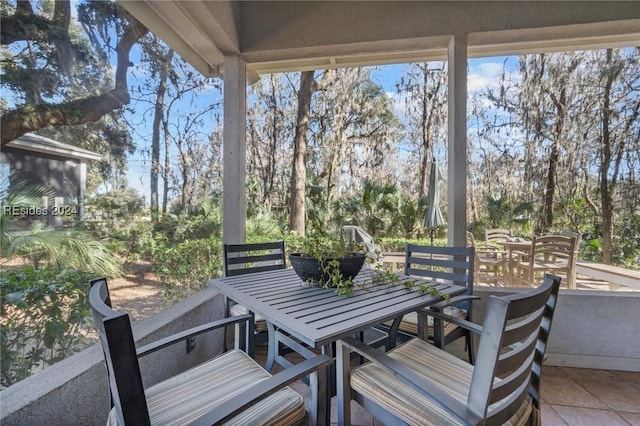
400,244
45,317
185,268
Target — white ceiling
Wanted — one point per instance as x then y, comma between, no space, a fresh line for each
277,36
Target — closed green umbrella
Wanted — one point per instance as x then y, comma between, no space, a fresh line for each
433,216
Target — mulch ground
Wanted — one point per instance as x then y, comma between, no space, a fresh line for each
137,292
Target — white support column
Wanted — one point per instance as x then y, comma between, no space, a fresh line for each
457,141
234,197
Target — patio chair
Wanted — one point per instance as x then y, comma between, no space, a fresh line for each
230,388
555,254
495,235
578,237
241,259
420,384
443,264
490,264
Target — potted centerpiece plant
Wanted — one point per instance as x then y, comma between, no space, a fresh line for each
334,261
328,261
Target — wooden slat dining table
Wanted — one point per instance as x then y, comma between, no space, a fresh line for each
317,317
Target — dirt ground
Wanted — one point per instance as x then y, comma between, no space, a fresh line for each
137,292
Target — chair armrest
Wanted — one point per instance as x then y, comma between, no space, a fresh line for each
468,325
263,389
521,255
183,335
426,388
490,250
438,307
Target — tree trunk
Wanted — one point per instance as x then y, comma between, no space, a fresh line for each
299,169
560,102
606,189
167,165
155,139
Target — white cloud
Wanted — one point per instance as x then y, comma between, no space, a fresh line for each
399,103
487,75
484,75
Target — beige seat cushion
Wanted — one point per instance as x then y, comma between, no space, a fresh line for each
409,323
259,322
445,370
187,396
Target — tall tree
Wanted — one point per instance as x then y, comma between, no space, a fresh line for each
354,133
617,134
158,115
41,54
308,85
270,130
424,89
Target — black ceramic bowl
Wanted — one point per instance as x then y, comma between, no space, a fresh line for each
310,269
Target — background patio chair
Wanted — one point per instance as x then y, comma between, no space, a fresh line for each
241,259
495,235
555,254
578,237
443,264
417,383
231,386
490,264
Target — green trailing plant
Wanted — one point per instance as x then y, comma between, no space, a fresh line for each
327,251
381,274
45,318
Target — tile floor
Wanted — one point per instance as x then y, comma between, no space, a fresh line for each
570,397
580,396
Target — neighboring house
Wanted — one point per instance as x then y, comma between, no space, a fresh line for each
59,166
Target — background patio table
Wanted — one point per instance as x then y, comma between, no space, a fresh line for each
511,246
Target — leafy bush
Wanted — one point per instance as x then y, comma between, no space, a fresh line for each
45,316
400,244
186,267
118,217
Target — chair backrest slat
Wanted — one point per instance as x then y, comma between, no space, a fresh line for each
519,379
522,329
444,264
519,310
496,235
256,258
240,259
116,337
439,262
512,359
553,246
515,331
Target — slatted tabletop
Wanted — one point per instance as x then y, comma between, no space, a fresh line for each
318,316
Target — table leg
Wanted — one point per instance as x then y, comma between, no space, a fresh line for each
392,338
272,347
508,266
331,376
